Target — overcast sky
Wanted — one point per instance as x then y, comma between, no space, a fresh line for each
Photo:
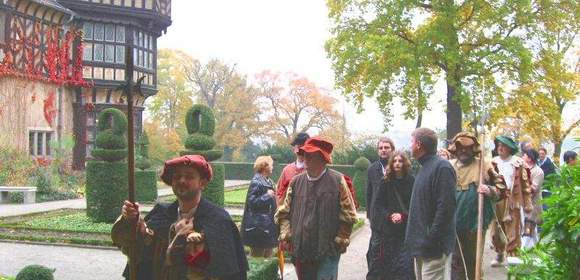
279,35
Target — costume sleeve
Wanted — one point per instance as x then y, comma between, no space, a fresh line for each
258,196
347,216
526,187
121,234
494,181
282,216
444,193
282,185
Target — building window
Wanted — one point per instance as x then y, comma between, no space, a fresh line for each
104,42
39,142
143,54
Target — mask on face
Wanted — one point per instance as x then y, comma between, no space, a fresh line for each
300,164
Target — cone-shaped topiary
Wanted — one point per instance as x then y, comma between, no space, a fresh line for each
200,123
111,143
35,272
360,179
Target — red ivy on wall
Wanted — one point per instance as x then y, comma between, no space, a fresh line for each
56,63
50,108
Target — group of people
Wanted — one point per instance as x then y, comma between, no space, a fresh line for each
423,226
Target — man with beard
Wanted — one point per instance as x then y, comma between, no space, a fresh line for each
467,156
317,215
506,229
376,173
219,250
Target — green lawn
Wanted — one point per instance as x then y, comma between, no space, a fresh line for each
236,197
78,222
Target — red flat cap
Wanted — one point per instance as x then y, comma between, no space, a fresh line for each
317,144
196,161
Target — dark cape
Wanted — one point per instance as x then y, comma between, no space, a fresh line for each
258,227
396,262
227,257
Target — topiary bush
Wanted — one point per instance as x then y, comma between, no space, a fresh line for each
142,160
107,178
360,180
111,143
35,272
145,185
107,186
200,123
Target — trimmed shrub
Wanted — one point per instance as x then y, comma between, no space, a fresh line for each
107,139
360,180
114,119
106,189
198,141
200,119
109,155
111,143
215,188
245,170
263,269
35,272
210,155
145,185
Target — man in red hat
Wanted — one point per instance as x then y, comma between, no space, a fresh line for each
204,239
291,169
317,215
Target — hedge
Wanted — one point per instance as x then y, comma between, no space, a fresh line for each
145,185
215,188
245,170
263,269
106,189
198,141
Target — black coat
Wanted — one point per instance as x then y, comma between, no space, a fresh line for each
227,256
374,181
548,167
258,227
431,228
387,204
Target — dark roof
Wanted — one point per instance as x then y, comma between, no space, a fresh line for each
54,5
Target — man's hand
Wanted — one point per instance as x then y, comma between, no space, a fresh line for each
272,193
130,211
396,218
483,189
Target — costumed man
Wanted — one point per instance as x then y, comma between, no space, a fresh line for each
317,215
291,169
375,177
506,229
190,238
466,152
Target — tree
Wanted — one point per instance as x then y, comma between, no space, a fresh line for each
390,49
233,101
174,97
293,104
538,103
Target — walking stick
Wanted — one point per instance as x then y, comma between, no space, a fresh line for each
128,89
480,202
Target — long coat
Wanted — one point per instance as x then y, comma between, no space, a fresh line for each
227,258
258,227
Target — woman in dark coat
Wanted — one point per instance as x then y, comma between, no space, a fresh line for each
259,231
391,211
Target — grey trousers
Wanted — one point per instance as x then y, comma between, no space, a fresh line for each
433,269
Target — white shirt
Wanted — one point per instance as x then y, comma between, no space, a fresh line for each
506,168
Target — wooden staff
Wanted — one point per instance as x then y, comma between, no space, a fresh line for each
480,203
131,158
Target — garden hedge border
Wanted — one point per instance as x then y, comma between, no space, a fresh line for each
106,189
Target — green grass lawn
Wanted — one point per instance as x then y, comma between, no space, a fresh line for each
236,197
77,222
